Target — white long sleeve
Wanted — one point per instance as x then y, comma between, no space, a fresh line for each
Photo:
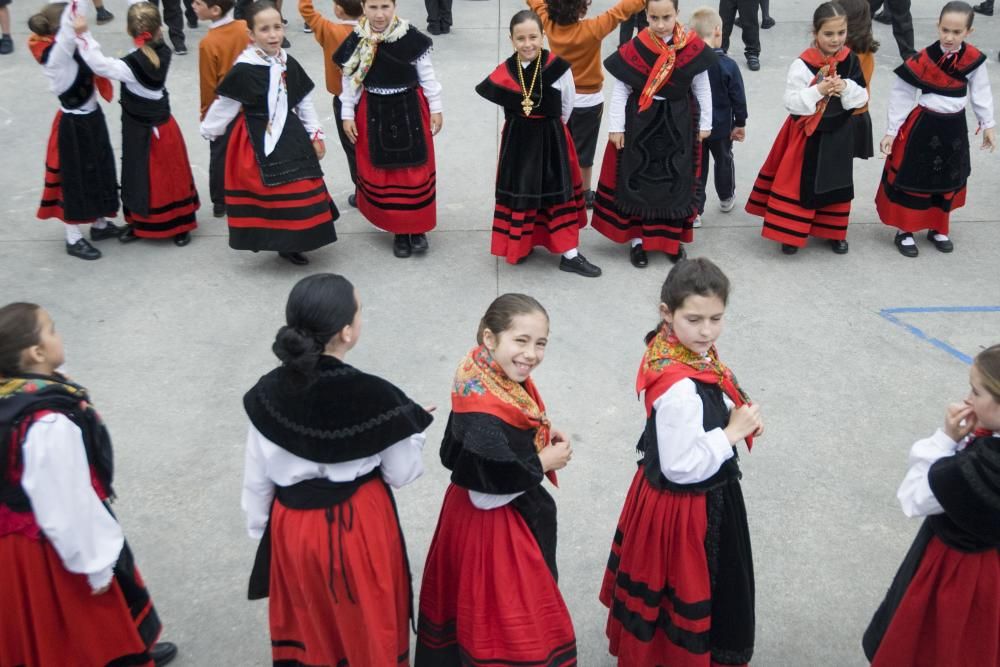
801,95
616,109
982,96
60,68
567,92
914,494
688,454
267,465
350,96
57,482
702,89
306,111
491,501
903,97
219,116
112,68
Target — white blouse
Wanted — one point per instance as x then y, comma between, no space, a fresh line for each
268,465
688,453
915,493
349,97
802,96
904,97
112,68
56,480
60,68
620,91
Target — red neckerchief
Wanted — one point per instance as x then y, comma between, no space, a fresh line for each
663,68
816,58
39,44
481,386
668,361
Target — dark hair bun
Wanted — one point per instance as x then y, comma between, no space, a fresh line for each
297,349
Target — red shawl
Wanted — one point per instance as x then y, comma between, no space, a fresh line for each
660,73
826,64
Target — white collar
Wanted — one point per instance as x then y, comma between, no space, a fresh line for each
227,18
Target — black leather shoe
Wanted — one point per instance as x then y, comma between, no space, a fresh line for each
839,247
104,16
767,23
984,8
753,63
296,258
433,29
678,256
418,243
401,246
219,210
905,250
127,235
83,250
789,249
109,231
525,258
588,198
637,255
883,17
352,200
162,653
942,246
182,239
579,265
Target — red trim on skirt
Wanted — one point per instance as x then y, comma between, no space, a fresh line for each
950,614
663,234
401,201
935,215
173,198
487,596
777,192
50,619
51,205
555,228
339,588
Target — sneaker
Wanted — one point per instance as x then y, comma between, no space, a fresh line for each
883,17
433,29
83,250
697,222
767,23
104,16
6,45
306,29
753,63
180,50
588,198
579,265
109,231
726,205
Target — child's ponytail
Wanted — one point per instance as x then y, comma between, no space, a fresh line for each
143,22
46,21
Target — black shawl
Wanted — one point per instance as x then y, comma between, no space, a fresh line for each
967,485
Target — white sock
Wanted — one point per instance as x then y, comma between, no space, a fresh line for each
571,254
636,242
73,234
101,223
938,236
908,240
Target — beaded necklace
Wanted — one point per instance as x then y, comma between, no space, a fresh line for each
526,102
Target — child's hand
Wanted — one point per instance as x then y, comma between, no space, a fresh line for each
430,408
617,139
738,134
437,122
556,455
825,87
990,139
351,130
886,144
80,24
704,134
959,421
102,590
320,148
743,421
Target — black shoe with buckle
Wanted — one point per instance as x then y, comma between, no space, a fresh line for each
908,250
579,265
401,246
162,653
679,255
789,249
588,198
182,239
296,258
83,250
839,247
352,200
753,63
218,210
127,235
943,246
108,231
418,243
637,255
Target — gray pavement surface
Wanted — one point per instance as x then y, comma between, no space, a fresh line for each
168,339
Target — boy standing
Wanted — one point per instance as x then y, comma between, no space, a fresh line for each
218,50
729,115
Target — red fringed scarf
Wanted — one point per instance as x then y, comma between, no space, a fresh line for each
826,64
481,386
39,44
659,75
667,361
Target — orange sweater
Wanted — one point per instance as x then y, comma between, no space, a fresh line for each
330,36
580,43
217,52
868,69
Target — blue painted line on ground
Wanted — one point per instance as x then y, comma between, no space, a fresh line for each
890,314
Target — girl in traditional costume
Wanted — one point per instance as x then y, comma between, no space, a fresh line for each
863,44
943,607
326,441
679,584
927,142
391,110
71,592
80,182
806,184
539,194
158,194
661,110
275,195
489,593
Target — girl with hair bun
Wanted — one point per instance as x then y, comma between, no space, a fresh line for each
325,443
489,594
679,586
943,607
158,194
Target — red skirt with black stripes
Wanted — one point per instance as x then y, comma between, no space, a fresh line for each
401,200
173,198
292,217
777,195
